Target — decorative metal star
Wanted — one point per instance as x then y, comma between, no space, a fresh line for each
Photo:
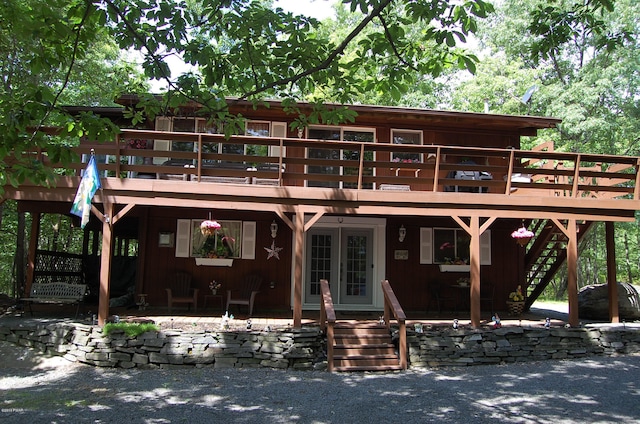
273,251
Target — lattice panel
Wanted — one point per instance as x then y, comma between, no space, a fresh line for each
58,267
47,262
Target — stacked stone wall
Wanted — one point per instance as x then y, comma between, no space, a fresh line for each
518,344
296,349
305,349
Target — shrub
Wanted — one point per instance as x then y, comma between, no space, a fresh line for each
131,329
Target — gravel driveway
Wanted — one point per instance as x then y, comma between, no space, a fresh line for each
50,390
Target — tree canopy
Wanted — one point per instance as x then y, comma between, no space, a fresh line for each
239,48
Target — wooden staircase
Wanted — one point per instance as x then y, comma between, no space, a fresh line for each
546,255
363,346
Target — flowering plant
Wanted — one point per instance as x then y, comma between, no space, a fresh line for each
522,233
209,228
516,296
216,243
463,281
214,285
137,143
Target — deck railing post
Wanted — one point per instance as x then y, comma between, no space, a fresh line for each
391,305
327,319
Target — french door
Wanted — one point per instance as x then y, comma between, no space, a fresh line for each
344,257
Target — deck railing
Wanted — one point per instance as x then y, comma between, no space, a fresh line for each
327,320
392,307
201,157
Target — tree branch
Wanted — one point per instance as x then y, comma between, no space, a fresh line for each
328,60
393,45
67,76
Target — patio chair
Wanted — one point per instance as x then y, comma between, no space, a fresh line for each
180,291
439,296
486,294
245,292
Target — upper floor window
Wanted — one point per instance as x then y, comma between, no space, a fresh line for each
201,125
407,137
339,134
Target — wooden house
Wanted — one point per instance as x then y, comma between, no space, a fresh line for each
425,199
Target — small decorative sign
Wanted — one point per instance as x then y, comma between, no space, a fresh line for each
166,239
401,255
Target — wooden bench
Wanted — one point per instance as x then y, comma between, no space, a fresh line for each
59,293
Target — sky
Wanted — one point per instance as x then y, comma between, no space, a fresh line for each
318,9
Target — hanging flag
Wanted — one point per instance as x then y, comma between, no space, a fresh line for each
89,184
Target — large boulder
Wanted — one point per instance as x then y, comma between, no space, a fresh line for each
593,302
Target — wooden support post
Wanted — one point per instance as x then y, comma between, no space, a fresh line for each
33,246
474,250
572,272
612,278
297,273
105,264
474,229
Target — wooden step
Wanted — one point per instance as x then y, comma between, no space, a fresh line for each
366,368
362,339
365,361
379,349
360,330
363,346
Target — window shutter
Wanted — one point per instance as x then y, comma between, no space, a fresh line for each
183,238
278,130
248,240
426,245
485,248
162,124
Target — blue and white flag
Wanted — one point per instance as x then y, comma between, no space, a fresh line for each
89,184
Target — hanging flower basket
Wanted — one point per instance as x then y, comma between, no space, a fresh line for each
515,308
522,236
208,228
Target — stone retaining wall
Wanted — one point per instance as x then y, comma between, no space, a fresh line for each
296,349
519,344
304,349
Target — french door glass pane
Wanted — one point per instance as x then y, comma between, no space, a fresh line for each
356,273
320,261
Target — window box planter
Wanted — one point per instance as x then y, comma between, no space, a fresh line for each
455,268
214,261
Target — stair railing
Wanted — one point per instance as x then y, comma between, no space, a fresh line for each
391,305
327,320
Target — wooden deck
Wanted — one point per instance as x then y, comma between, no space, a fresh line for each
539,183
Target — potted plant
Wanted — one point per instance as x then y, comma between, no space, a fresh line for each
214,286
515,304
522,236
